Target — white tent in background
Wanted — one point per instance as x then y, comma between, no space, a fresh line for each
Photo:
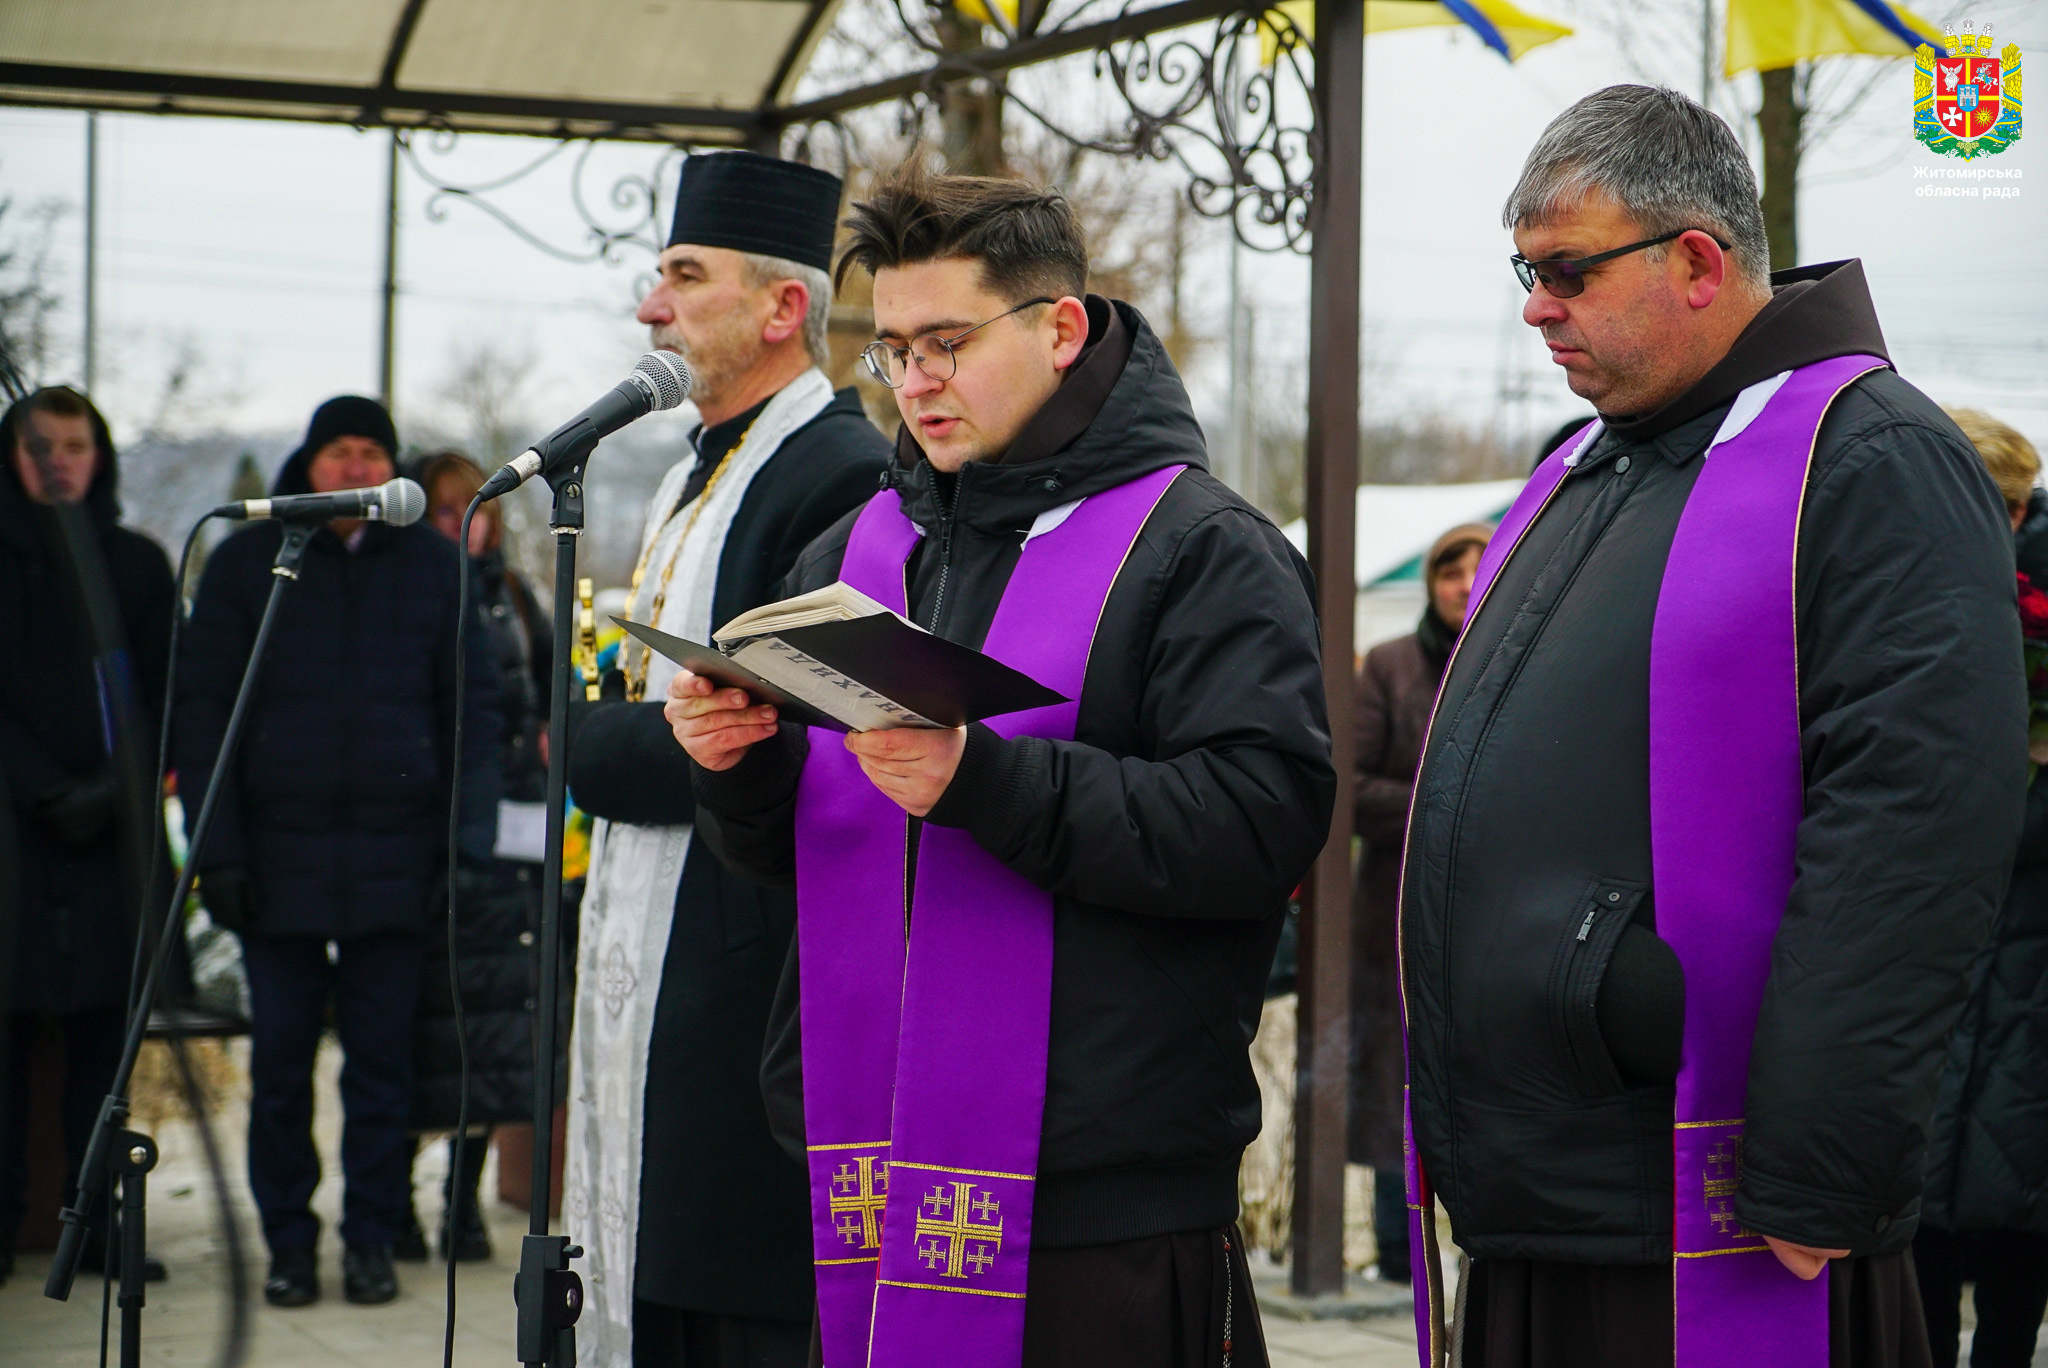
1396,524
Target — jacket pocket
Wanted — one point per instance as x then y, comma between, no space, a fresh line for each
1583,953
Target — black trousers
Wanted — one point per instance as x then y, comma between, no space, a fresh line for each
373,984
1183,1300
670,1337
459,1186
1390,1223
2010,1268
1533,1313
92,1051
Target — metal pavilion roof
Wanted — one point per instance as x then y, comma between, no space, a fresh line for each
700,71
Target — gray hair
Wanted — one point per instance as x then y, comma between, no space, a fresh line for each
1666,160
762,271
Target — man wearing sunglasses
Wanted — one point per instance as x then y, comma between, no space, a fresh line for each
1011,1044
1718,800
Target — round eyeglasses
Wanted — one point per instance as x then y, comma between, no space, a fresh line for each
933,354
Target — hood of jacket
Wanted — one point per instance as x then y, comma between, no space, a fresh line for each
1121,412
21,518
1815,313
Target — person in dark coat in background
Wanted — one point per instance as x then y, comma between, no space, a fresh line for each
327,853
1984,1217
496,949
1396,688
709,1262
73,941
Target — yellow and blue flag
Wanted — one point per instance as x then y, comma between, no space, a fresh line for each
979,10
1501,26
1764,35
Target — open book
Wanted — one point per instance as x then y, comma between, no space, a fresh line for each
836,658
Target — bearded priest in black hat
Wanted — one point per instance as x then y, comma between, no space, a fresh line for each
697,1223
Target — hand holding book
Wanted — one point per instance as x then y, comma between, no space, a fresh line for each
715,725
836,658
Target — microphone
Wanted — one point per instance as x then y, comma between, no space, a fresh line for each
398,502
659,380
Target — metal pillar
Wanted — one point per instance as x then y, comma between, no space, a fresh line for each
384,355
1324,1028
92,248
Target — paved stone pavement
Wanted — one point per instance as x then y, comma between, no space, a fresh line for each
183,1320
1387,1342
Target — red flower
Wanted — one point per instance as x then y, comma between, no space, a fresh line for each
2033,610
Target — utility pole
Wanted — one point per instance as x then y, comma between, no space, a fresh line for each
384,359
1330,494
92,248
1706,52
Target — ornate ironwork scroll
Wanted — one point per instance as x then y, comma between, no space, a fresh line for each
1230,102
1222,114
627,217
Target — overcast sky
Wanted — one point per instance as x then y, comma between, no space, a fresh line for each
259,243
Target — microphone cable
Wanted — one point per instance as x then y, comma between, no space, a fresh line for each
163,739
457,1150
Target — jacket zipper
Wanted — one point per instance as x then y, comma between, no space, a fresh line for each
948,515
1587,925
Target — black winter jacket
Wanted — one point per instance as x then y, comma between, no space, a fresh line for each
2030,541
73,931
1170,830
1987,1156
337,805
497,950
1542,1094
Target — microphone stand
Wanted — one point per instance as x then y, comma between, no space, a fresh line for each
548,1292
115,1152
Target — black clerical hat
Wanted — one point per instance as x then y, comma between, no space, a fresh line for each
753,203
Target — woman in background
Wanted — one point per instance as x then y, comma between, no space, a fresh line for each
1984,1215
1396,690
500,905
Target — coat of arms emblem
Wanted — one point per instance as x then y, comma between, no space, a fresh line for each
1966,103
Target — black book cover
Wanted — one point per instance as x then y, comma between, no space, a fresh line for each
723,671
949,683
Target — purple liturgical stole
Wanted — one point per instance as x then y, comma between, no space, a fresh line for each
1726,794
924,1064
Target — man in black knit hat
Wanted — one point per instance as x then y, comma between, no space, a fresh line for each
697,1223
327,850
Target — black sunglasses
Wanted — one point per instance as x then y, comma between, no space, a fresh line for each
1565,279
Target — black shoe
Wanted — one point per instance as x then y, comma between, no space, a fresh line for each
411,1244
294,1279
472,1243
367,1278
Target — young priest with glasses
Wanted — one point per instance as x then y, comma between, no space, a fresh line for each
1011,1040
